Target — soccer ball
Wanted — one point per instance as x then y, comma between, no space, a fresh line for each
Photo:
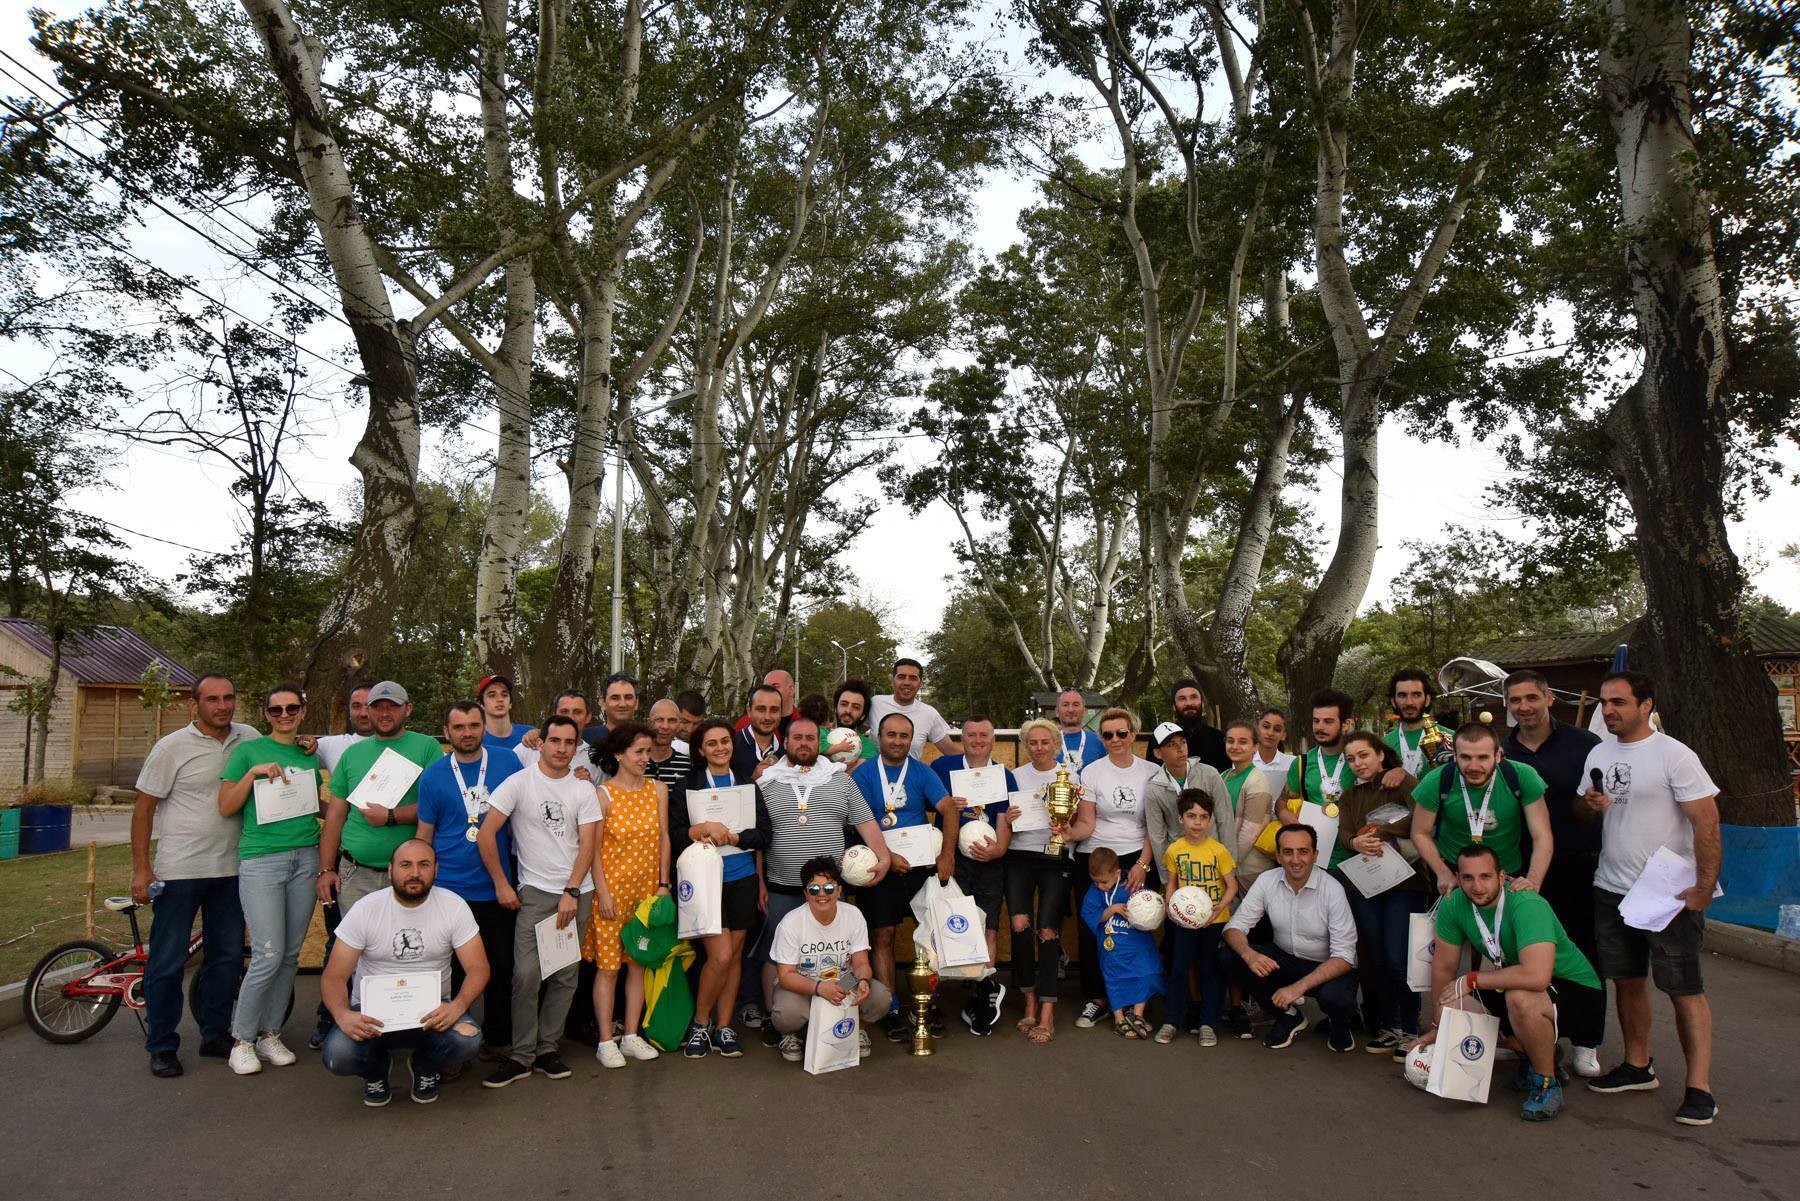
973,834
859,866
842,744
1144,910
1418,1065
1191,907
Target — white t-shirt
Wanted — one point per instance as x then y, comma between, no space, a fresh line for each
584,757
331,748
1030,779
395,939
928,724
547,816
1274,770
1118,796
821,952
1648,780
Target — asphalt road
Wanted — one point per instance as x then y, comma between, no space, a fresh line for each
1090,1116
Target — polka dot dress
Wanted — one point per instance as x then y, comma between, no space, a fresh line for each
630,854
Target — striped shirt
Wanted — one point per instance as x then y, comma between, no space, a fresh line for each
833,804
673,770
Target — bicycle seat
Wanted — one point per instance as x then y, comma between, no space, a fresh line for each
120,904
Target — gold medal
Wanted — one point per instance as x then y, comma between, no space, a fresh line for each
889,819
1331,809
1109,944
1476,838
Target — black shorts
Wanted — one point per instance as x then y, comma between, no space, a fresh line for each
1573,1002
1671,955
986,882
737,904
889,903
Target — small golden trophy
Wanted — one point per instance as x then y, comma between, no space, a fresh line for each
1061,797
919,982
1433,746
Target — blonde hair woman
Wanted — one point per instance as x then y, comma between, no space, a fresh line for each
1035,875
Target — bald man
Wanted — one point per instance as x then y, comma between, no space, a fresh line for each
666,763
783,683
1080,745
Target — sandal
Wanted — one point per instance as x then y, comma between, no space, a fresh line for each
1039,1035
1139,1027
1027,1025
1122,1028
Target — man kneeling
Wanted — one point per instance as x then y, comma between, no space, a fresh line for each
822,950
407,930
1539,970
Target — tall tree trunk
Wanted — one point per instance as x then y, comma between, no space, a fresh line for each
1670,427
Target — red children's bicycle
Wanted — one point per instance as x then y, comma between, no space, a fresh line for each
76,988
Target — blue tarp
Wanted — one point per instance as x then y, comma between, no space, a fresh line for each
1760,875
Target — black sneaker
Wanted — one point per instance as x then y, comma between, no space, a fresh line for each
1697,1108
896,1028
425,1087
1626,1078
1237,1021
725,1042
553,1067
934,1021
771,1037
164,1064
994,999
1340,1035
1090,1015
376,1093
752,1017
320,1029
506,1074
1382,1042
217,1047
696,1044
977,1015
1286,1026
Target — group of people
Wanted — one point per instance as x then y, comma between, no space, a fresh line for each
1522,844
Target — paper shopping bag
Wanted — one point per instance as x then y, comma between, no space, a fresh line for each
830,1037
925,931
959,932
699,891
1421,946
1462,1063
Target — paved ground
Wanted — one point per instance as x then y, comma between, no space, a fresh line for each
1088,1117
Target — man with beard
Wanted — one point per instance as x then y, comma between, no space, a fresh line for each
356,844
331,747
851,705
1204,743
1080,745
693,711
783,684
1320,775
407,929
758,744
1481,798
1410,694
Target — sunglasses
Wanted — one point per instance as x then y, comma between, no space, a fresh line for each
820,890
1110,735
283,710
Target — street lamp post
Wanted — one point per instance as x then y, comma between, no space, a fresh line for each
844,652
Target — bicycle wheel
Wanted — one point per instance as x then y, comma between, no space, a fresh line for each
56,1017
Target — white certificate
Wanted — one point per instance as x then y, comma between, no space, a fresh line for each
734,807
1032,813
1375,874
1326,828
386,782
400,1002
980,785
1655,899
280,799
911,843
557,949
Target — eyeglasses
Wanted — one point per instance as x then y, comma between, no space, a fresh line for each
1110,735
283,710
820,890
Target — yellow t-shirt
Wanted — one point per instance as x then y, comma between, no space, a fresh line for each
1204,864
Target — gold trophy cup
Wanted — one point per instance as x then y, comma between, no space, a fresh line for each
918,982
1433,745
1061,796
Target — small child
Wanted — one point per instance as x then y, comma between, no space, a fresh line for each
1197,858
1128,958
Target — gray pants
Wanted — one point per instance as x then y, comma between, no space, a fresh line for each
792,1009
356,881
536,1030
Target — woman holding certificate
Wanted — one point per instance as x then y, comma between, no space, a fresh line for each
631,863
1037,883
275,785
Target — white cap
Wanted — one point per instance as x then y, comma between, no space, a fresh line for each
1166,731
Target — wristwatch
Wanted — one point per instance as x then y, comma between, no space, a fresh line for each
574,892
390,819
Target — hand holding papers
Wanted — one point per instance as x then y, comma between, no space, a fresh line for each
734,808
293,794
401,1002
911,843
979,785
1656,898
1032,813
386,782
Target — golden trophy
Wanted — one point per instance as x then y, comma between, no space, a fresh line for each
919,982
1433,745
1061,797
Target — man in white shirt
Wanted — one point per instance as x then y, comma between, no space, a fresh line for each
927,723
1314,952
585,764
331,747
1654,794
555,819
407,929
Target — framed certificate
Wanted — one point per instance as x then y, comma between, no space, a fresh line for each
734,808
295,795
386,782
1032,813
911,843
980,785
401,1002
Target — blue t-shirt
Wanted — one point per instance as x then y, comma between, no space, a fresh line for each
459,866
943,765
1133,968
923,791
510,741
740,866
1086,746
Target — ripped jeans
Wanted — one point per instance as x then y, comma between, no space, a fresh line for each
432,1050
277,893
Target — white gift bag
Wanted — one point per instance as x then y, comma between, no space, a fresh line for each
831,1037
699,891
1421,946
926,928
1462,1062
960,932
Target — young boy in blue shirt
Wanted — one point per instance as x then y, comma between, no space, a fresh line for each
1129,961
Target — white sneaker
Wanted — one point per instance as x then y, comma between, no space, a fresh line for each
271,1050
609,1056
864,1048
637,1048
790,1047
243,1059
1209,1037
1586,1061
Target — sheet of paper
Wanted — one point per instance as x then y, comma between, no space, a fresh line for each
1032,814
386,782
979,785
734,808
911,843
1388,814
557,949
1655,899
278,800
1326,828
399,1002
1375,874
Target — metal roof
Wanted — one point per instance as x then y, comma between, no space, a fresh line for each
108,655
1769,635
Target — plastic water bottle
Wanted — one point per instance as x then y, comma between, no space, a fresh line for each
155,890
1788,924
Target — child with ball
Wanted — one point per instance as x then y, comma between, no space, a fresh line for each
1129,962
1196,860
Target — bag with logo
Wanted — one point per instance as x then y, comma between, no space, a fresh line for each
1462,1062
831,1037
699,891
1421,946
960,931
929,927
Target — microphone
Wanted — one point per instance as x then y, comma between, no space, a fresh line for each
1594,775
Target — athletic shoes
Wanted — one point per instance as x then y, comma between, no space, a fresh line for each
1627,1078
1090,1015
696,1044
725,1042
791,1050
1697,1108
1545,1100
507,1073
1586,1061
376,1093
1383,1042
1286,1026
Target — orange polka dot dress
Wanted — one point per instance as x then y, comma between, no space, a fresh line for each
630,856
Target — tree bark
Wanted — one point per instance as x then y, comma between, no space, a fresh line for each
1669,429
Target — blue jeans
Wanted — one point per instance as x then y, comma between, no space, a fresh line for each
215,900
432,1051
1381,924
278,893
1196,948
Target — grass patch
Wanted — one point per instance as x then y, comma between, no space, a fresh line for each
42,904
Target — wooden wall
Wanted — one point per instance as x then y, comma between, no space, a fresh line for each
116,732
22,658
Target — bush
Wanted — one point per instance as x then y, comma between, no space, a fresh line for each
55,792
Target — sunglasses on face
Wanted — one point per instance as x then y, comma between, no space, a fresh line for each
283,710
820,890
1110,735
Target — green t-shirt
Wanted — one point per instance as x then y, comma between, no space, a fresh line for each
1528,920
1506,813
1305,781
1234,784
1403,740
291,834
375,845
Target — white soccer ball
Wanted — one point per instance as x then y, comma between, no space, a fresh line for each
973,834
859,864
937,844
842,744
1418,1065
1144,910
1191,906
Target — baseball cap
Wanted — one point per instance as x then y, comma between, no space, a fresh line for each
489,681
387,690
1162,733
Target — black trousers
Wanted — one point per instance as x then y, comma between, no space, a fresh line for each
495,922
1569,887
